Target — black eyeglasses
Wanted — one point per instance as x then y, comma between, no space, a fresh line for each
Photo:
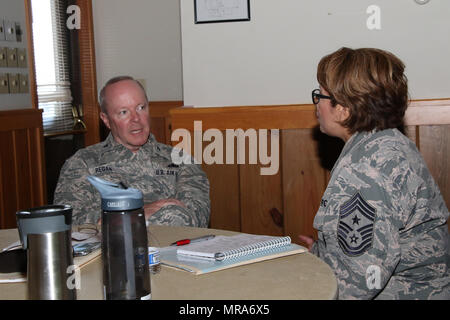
316,96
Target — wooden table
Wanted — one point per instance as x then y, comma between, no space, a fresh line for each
301,276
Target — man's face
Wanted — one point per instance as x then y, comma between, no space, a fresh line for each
127,114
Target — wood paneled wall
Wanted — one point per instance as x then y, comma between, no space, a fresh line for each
286,203
160,121
22,168
88,73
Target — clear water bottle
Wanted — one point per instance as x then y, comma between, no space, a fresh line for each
126,273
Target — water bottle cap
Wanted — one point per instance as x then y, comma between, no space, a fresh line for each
116,197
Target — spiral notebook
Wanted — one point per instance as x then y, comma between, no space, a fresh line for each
225,252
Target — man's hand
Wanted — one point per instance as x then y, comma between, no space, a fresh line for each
151,208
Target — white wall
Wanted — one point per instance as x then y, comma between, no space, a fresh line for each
273,58
140,38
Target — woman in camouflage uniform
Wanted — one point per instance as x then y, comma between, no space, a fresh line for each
382,220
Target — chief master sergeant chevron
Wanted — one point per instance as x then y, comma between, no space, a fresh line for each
173,194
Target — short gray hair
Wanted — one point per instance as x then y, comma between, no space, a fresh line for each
102,101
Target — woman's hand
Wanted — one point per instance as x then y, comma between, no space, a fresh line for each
307,240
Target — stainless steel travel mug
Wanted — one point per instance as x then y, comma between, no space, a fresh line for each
45,232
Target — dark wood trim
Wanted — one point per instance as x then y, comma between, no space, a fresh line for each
22,163
428,112
162,108
420,112
20,119
88,73
160,121
30,55
257,117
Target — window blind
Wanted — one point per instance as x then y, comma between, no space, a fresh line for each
51,47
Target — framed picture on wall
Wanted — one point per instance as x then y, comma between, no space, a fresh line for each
209,11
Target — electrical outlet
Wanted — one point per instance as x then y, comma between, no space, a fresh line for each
12,57
14,83
10,30
2,30
22,57
3,57
23,83
4,84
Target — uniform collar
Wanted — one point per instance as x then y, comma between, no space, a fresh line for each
361,137
110,143
355,140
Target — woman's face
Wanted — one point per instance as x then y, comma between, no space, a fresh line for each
329,117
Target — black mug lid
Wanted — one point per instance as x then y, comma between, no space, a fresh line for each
47,211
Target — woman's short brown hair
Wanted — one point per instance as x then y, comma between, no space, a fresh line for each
370,82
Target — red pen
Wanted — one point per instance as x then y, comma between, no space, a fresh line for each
187,241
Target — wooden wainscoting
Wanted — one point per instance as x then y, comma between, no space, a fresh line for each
285,203
88,77
22,166
160,121
428,125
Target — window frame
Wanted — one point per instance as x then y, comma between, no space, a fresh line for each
88,77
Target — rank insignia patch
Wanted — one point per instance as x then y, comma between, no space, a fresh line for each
355,228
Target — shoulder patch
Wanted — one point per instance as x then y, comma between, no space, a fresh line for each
355,227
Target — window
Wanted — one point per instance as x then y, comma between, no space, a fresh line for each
52,60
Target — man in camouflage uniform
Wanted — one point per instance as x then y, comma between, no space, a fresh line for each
173,194
382,219
382,222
